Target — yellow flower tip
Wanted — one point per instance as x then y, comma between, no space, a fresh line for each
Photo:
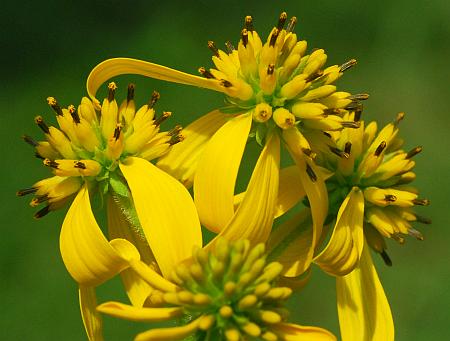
226,311
112,87
262,112
283,118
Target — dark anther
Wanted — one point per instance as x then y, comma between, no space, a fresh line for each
229,46
51,163
359,97
30,140
327,134
54,105
390,198
225,83
41,124
348,148
309,152
281,20
416,234
338,152
213,48
314,76
80,165
249,23
386,258
73,112
162,118
423,220
175,131
421,202
117,131
413,152
311,173
130,93
380,148
42,212
205,73
291,24
399,118
347,65
155,97
270,69
244,37
25,191
39,156
358,111
39,200
112,87
175,139
351,124
274,36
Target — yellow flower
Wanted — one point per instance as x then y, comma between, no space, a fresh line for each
225,293
274,89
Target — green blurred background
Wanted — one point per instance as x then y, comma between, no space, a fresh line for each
49,47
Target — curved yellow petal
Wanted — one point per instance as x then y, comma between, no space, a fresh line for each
118,227
121,66
290,191
295,332
88,256
182,159
131,313
166,212
169,334
343,251
254,218
364,312
295,283
92,320
217,171
291,244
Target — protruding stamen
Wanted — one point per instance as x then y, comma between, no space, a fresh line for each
225,83
244,37
213,48
380,148
416,234
117,132
338,152
270,69
351,124
348,148
327,134
309,152
386,258
205,73
229,46
390,198
421,202
291,25
112,87
26,191
413,152
399,118
30,140
175,131
80,165
423,220
281,20
274,36
176,139
347,65
358,111
155,97
42,212
51,163
359,97
73,112
38,200
311,173
249,23
53,103
41,124
162,118
130,93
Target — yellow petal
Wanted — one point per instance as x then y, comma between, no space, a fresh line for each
92,320
131,313
261,197
343,251
121,66
291,244
295,332
137,289
166,212
217,171
181,161
88,256
169,334
290,191
364,312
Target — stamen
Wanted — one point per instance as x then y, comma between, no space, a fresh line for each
270,69
112,87
399,118
314,76
273,38
176,139
51,163
338,152
54,105
359,97
421,202
347,65
327,134
348,148
213,48
390,198
117,132
40,122
358,111
175,131
73,112
26,191
80,165
249,23
30,140
386,258
413,152
423,220
155,97
225,83
309,152
416,234
205,73
230,47
244,37
42,212
351,124
39,200
291,25
311,173
130,93
162,118
380,148
281,20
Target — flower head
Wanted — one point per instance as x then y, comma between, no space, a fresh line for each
90,144
228,293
